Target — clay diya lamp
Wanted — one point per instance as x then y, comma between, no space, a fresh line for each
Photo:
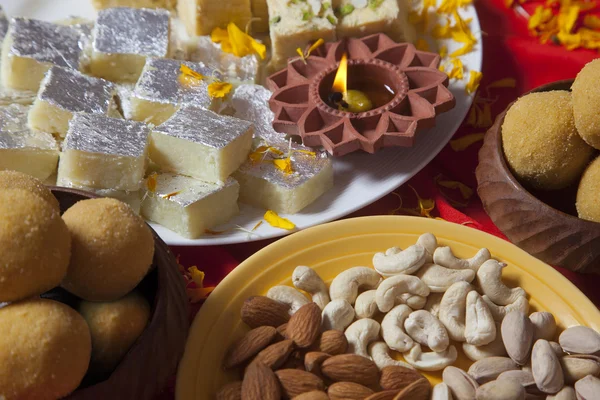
545,224
152,360
359,94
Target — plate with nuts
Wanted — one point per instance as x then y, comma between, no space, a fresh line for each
391,307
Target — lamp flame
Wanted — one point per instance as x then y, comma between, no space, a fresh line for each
341,77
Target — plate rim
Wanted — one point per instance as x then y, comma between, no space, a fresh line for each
270,254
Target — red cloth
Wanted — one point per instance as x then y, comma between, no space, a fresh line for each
509,52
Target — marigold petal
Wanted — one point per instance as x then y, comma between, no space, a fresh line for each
219,89
197,276
474,81
278,222
284,164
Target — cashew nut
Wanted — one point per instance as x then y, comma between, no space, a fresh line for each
380,353
429,242
452,310
445,257
441,391
414,302
489,277
494,349
427,330
360,333
544,325
365,305
305,278
433,303
397,261
480,328
392,329
345,285
337,315
430,361
288,295
392,288
439,278
499,312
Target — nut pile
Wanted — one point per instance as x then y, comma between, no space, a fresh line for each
421,302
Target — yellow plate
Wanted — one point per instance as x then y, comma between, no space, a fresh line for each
334,247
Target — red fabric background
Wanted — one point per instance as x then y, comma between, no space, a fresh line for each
509,52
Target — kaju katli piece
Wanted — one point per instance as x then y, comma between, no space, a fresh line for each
124,38
201,144
23,149
163,88
189,206
103,153
31,47
64,92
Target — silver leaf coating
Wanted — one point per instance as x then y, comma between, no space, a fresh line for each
15,134
124,30
72,91
95,133
160,83
46,42
3,24
251,103
203,127
186,191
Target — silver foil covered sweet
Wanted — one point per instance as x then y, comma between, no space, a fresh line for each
3,24
251,103
93,133
244,69
203,127
14,133
160,83
123,30
186,191
72,91
306,163
46,42
124,95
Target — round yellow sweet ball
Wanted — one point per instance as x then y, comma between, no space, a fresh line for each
19,180
112,249
45,349
115,326
586,103
541,144
35,245
588,193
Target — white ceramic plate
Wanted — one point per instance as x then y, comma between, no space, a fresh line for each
360,179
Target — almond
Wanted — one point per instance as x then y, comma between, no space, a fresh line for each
295,382
333,342
348,391
314,395
418,390
249,345
397,377
231,391
351,368
313,361
260,383
385,395
276,354
305,325
281,330
263,311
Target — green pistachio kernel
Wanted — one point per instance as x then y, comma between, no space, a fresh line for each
275,20
346,9
331,20
307,15
374,4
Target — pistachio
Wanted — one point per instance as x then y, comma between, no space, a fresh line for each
544,325
557,349
493,349
517,335
488,369
587,388
524,378
441,391
576,368
580,340
501,390
546,368
566,393
462,386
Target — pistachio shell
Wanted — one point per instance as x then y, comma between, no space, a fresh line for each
488,369
587,388
517,335
580,340
501,390
462,386
566,393
576,368
546,368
